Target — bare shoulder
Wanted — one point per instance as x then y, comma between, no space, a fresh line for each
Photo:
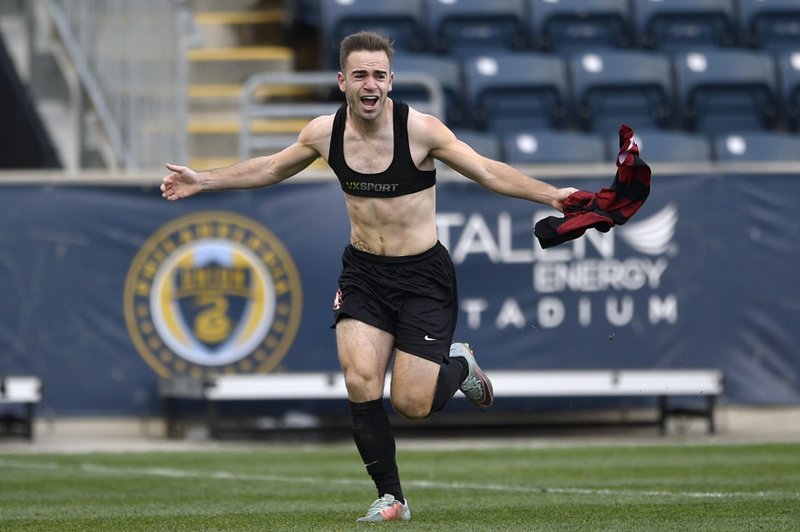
428,129
320,126
316,135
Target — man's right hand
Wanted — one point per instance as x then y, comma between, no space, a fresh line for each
181,183
561,196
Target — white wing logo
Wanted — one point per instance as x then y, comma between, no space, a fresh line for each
653,235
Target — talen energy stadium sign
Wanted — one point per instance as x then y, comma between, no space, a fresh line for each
594,264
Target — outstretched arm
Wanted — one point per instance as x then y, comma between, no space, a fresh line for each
183,182
494,175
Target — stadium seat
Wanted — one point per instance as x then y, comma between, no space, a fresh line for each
660,146
516,90
678,24
614,86
757,146
486,144
770,24
400,21
543,146
445,69
789,73
726,90
577,24
466,27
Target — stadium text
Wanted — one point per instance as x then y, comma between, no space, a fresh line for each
551,312
613,286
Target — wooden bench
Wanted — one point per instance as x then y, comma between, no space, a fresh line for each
660,383
19,390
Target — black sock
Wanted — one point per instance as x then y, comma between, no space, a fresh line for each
375,442
452,373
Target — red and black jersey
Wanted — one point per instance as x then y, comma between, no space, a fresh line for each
607,208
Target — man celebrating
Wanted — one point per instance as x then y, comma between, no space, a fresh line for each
397,297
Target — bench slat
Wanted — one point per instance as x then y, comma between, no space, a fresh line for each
506,384
20,389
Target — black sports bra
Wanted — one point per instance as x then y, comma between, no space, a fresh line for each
400,178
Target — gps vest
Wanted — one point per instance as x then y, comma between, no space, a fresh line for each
400,178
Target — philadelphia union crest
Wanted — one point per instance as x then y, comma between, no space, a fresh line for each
211,293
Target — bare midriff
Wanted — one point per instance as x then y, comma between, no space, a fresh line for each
393,227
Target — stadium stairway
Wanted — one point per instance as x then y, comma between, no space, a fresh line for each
238,38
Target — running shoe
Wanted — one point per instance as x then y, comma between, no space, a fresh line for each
387,508
477,386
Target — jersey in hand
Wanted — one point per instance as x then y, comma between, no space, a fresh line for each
400,178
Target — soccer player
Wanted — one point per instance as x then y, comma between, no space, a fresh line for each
397,298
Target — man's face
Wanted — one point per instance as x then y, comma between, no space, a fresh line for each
366,82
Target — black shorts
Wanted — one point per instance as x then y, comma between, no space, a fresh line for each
414,298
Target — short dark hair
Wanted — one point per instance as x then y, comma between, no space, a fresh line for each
364,40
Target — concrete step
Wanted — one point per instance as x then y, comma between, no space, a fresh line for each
240,28
263,16
233,5
208,163
225,123
216,135
236,64
226,97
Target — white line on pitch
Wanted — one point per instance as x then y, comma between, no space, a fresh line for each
422,484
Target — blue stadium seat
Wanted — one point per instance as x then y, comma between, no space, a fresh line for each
516,90
757,146
677,24
464,27
485,143
726,90
445,69
660,146
544,146
577,24
770,24
789,73
400,21
614,86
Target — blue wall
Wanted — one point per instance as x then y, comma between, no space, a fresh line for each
106,289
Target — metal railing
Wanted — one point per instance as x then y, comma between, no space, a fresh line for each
129,57
251,142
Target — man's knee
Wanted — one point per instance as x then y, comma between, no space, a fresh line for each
412,407
362,386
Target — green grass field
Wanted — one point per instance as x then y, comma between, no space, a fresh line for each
317,487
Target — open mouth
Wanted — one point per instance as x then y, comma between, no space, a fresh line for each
369,101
